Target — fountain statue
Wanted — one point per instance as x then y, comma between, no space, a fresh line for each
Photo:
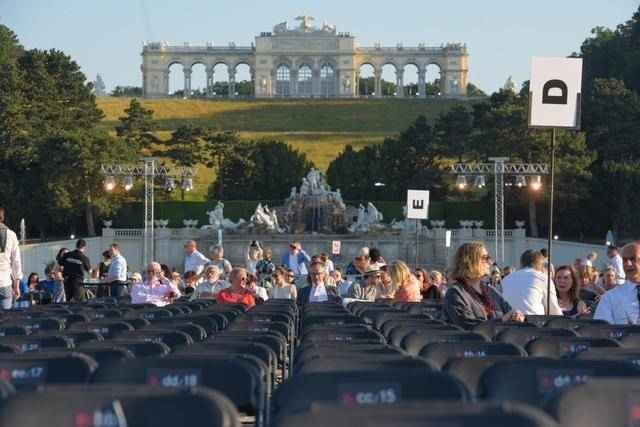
265,220
218,221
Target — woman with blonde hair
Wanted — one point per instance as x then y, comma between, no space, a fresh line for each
469,301
408,287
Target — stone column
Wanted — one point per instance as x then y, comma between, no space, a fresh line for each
316,87
210,74
422,82
232,82
337,84
293,83
444,88
400,83
165,82
377,77
252,74
187,82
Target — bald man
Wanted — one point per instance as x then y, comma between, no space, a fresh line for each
620,305
193,259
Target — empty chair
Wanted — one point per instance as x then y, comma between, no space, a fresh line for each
78,337
470,370
628,341
34,369
610,402
521,336
397,334
238,378
536,381
570,323
378,386
555,347
415,341
440,353
106,353
137,347
353,364
491,328
419,413
172,338
8,331
39,324
540,319
615,332
631,355
108,328
38,342
139,406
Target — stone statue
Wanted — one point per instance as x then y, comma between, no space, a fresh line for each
265,220
509,85
305,22
218,221
99,86
368,219
280,28
292,195
305,188
314,178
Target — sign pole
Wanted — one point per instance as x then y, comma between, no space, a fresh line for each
417,240
550,242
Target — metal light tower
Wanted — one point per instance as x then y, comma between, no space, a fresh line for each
149,169
498,168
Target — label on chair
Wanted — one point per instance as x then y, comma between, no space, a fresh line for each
170,377
25,376
552,380
364,394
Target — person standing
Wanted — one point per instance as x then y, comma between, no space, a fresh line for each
218,259
74,265
620,305
193,259
296,259
616,262
117,274
10,265
526,289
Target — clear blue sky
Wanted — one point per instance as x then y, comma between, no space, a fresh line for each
106,36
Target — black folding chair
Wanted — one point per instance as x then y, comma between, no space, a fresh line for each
415,341
614,332
119,406
27,371
599,402
439,353
238,378
522,336
491,328
536,381
470,370
419,413
556,347
372,387
31,343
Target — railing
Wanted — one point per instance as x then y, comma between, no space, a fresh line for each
198,49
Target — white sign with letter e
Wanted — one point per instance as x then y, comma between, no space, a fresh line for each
447,239
555,92
335,247
417,204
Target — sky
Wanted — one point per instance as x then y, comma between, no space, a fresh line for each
106,37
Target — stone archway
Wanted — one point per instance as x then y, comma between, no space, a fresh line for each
283,80
411,80
176,78
389,80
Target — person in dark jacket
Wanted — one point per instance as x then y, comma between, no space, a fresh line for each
469,301
75,264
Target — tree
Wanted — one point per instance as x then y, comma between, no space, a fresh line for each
129,91
136,127
185,148
218,146
474,91
10,48
263,170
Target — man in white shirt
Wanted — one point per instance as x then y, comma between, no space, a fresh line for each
620,305
117,274
193,259
616,262
526,289
156,290
10,265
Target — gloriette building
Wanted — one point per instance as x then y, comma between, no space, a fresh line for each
305,61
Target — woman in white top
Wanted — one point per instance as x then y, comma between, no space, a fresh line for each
217,259
281,289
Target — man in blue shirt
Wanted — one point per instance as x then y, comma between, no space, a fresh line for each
117,275
296,259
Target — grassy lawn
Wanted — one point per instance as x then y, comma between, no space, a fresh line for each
295,115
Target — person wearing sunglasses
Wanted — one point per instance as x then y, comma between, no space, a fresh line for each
469,301
318,289
156,289
526,288
281,289
237,292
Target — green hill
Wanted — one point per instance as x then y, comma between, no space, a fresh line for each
320,128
